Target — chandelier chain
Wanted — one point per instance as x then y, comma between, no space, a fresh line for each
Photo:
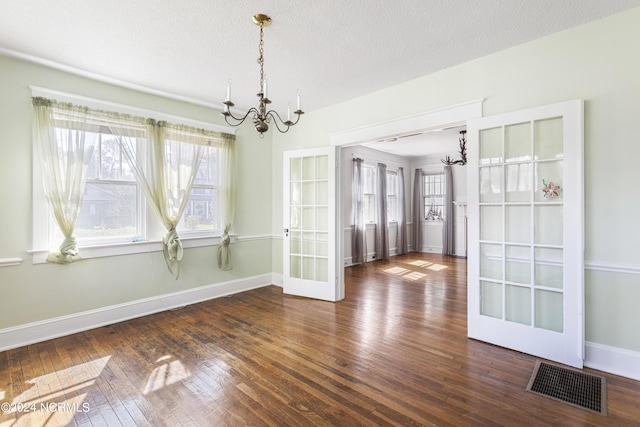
261,58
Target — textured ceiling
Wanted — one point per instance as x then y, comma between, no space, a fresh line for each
332,50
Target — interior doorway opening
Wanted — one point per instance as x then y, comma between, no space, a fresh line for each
394,142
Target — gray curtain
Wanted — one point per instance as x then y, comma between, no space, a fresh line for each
416,211
382,226
447,229
401,241
357,214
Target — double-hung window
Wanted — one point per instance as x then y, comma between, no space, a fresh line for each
111,209
202,213
434,192
115,213
392,196
368,201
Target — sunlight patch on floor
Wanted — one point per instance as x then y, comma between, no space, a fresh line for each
397,271
419,263
169,372
437,267
414,275
55,398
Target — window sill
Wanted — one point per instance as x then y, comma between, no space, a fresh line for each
129,248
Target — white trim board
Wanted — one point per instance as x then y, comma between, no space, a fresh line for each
452,115
30,333
614,360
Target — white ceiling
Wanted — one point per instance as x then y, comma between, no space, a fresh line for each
331,50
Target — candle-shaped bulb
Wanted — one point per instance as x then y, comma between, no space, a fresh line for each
289,113
298,99
228,91
264,87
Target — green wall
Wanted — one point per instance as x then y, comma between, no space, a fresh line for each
597,62
30,293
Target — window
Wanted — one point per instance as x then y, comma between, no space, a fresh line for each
392,196
434,192
368,202
202,213
111,206
116,212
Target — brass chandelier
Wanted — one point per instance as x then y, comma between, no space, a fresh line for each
261,116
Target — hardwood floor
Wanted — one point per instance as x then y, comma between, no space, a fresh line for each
394,352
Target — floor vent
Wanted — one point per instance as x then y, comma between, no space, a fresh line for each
570,386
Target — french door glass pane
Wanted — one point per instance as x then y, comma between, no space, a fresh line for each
308,193
491,299
491,261
308,268
548,139
491,146
322,269
547,173
491,184
322,244
295,193
295,242
295,169
308,243
308,168
518,304
295,269
518,224
549,310
491,223
548,267
518,264
548,224
518,182
322,192
322,168
517,142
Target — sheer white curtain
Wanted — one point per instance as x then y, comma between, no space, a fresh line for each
401,240
357,212
228,199
64,149
447,229
382,226
166,171
416,210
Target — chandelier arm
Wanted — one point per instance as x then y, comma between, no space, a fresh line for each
239,120
274,114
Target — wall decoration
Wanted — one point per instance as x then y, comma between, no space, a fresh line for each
550,189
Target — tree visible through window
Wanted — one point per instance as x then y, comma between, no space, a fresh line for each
434,192
202,212
110,207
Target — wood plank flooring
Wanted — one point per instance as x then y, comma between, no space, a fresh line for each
394,352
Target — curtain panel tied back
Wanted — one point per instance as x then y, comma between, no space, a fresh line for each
64,150
166,173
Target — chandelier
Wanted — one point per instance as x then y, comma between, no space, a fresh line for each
261,117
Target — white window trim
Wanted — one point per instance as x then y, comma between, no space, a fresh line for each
41,220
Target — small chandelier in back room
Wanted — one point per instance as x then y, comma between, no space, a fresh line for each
261,117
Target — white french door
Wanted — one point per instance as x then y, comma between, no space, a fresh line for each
525,259
309,209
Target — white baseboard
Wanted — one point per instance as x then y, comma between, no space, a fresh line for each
614,360
277,279
31,333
